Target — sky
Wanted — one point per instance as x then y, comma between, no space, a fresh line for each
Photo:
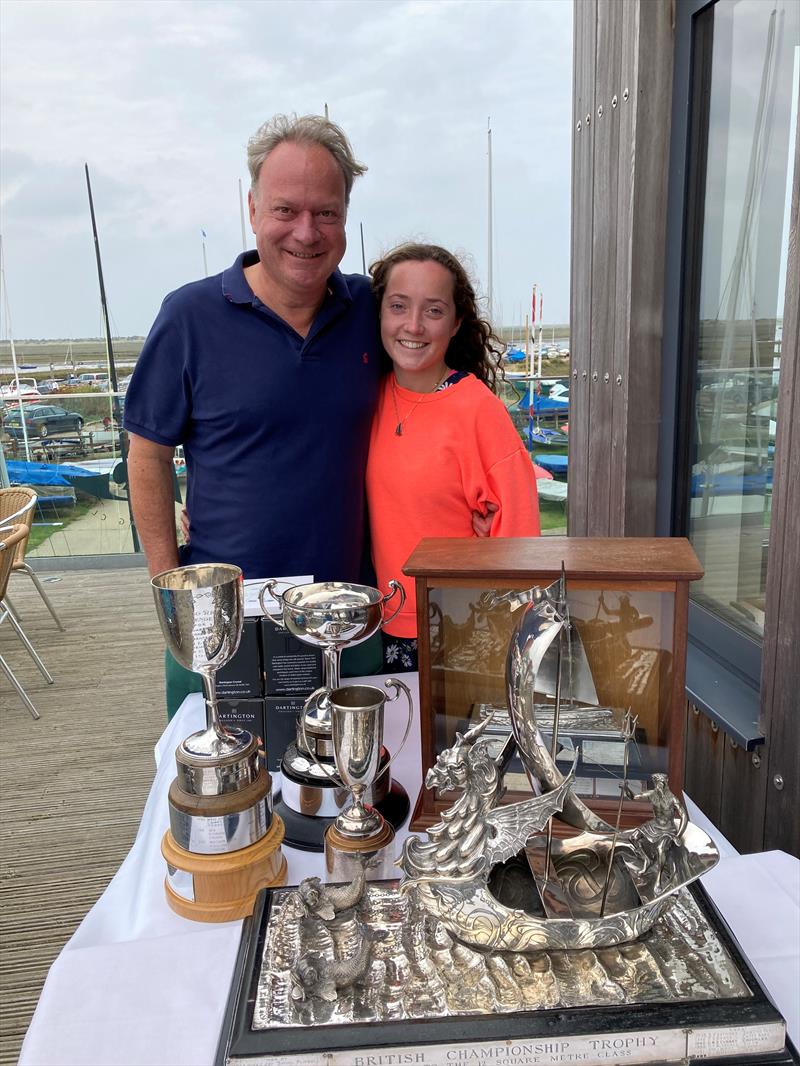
159,98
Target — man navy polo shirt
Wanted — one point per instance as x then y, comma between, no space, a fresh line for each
275,427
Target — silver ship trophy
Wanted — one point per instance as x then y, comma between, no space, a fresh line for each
360,833
503,942
331,615
221,800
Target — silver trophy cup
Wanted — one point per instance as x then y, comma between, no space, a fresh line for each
221,801
331,615
357,713
201,613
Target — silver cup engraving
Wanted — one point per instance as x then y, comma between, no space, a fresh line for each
201,613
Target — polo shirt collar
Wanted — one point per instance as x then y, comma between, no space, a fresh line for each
236,289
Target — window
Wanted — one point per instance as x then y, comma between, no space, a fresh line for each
748,100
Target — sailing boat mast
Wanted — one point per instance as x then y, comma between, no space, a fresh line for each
7,309
490,280
628,732
112,370
241,217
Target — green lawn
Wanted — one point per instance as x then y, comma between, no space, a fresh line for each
62,515
553,517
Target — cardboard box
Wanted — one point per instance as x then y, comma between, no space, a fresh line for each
280,726
243,676
291,668
246,714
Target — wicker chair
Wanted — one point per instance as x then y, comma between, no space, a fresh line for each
10,537
18,504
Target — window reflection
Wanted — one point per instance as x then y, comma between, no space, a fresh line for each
752,119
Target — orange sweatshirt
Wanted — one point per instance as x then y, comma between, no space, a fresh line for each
458,450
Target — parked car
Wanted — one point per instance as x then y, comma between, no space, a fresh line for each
93,381
42,420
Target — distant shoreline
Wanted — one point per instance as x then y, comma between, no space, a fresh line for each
54,356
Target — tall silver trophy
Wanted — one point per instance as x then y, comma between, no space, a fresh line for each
360,832
221,800
331,615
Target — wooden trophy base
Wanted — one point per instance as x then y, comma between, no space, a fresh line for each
344,856
224,887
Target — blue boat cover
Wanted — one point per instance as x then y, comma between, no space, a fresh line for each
542,405
22,473
514,355
756,484
556,464
545,436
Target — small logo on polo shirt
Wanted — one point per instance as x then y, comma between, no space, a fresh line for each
364,358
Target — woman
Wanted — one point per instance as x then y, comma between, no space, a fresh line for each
442,444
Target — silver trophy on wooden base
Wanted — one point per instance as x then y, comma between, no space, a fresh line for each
360,833
332,615
223,844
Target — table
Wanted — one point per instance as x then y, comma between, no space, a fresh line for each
139,986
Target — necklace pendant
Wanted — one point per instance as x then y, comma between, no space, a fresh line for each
399,430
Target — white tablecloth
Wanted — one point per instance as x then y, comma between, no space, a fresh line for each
139,986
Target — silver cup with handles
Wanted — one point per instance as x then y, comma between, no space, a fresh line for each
357,717
331,615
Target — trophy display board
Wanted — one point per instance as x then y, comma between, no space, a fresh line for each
628,609
681,993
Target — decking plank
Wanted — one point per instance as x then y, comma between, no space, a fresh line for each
74,783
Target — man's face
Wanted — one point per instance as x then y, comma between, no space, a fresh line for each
298,218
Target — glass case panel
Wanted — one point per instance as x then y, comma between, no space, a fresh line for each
617,657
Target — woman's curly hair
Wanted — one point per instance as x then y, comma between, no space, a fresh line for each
475,348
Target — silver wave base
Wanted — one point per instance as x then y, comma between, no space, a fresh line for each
414,968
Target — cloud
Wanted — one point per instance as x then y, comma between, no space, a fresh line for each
160,97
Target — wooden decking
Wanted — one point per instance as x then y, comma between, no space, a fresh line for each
74,783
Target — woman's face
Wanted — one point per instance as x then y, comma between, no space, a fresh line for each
418,320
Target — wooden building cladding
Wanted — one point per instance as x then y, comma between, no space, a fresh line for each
622,125
622,84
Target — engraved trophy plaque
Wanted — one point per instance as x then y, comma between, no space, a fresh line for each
332,615
223,844
361,833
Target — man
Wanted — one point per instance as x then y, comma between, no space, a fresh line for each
238,368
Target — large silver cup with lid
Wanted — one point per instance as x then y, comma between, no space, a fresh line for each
221,798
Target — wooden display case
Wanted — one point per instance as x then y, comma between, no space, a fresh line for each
628,601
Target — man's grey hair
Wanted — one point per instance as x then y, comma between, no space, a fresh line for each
308,129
